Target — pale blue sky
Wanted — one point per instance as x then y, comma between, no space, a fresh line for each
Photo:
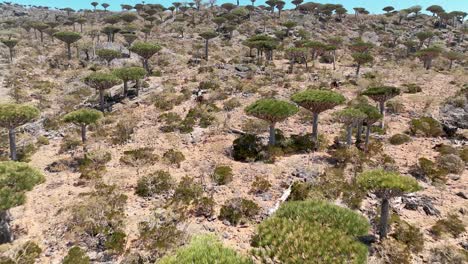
374,6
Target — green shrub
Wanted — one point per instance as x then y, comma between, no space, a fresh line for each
430,170
187,191
316,232
409,235
222,175
325,214
426,127
451,163
247,148
115,242
231,104
25,152
157,183
205,249
174,157
76,256
205,207
42,140
300,191
124,131
412,88
171,122
399,139
100,212
139,157
446,149
28,253
451,224
93,165
394,106
446,254
238,210
254,126
158,236
260,185
391,251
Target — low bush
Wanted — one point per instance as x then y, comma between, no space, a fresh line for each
238,210
93,165
426,127
430,170
412,88
222,175
124,130
260,185
69,143
451,163
171,122
139,157
205,249
409,235
156,183
76,256
173,157
205,207
394,107
391,251
247,148
231,104
451,225
300,191
187,191
446,254
399,139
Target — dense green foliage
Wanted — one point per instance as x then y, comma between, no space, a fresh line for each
311,237
387,183
271,110
205,249
318,101
16,178
14,115
83,117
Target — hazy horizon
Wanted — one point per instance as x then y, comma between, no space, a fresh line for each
374,6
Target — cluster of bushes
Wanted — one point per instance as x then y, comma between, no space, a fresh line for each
452,225
426,127
249,147
139,157
201,115
450,160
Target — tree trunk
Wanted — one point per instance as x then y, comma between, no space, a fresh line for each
137,84
450,66
69,51
42,36
272,140
368,130
125,92
206,49
357,69
315,127
101,99
382,112
12,138
83,133
384,213
5,233
349,135
11,55
358,134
